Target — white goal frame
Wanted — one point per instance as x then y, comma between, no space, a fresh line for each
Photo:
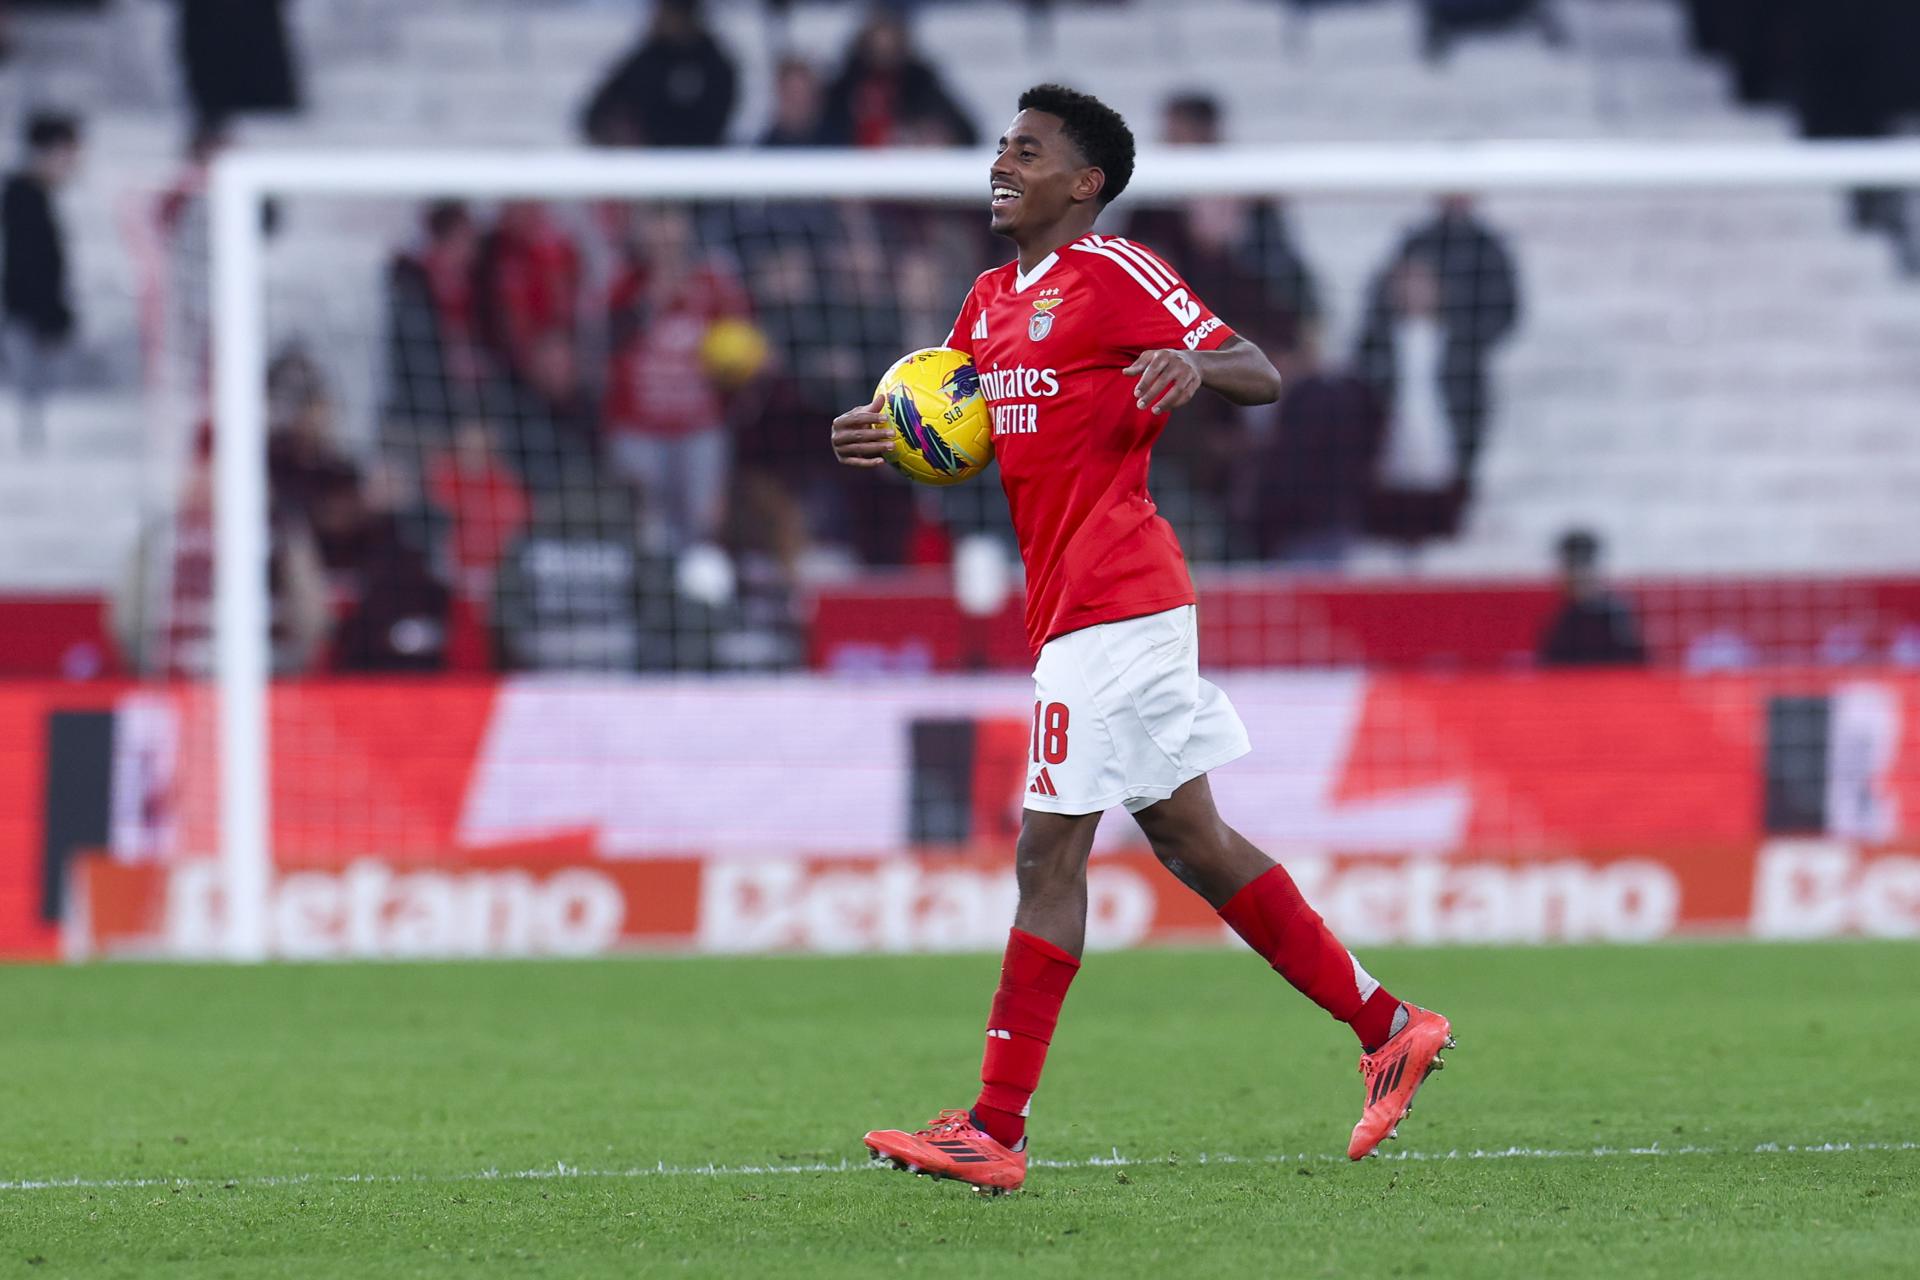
243,182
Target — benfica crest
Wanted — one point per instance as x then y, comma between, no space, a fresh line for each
1040,324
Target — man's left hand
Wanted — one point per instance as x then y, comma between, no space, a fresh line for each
1168,379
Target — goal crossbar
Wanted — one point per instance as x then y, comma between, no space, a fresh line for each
949,175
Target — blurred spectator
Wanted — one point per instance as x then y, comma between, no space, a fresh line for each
1448,20
162,611
1594,627
434,359
182,218
1852,76
841,290
577,592
1843,80
1752,35
292,378
549,430
1846,69
183,221
767,537
38,322
182,210
1312,478
797,106
1434,318
1198,462
1423,384
484,499
1238,254
886,93
852,517
1844,66
834,325
529,285
308,475
676,89
399,618
237,57
1479,288
827,356
672,312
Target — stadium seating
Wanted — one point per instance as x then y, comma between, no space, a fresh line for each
1610,413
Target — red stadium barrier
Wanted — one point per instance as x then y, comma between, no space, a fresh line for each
909,621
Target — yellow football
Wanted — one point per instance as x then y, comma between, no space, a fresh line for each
943,433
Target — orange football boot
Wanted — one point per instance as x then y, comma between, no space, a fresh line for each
1394,1073
952,1147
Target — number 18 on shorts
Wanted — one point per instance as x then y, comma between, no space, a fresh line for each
1121,716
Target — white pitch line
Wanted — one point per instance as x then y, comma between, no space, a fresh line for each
560,1170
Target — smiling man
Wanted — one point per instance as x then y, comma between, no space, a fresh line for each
1083,345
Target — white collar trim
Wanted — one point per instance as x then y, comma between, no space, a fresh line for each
1021,281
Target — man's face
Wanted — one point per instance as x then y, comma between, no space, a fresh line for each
664,234
1038,175
314,422
1580,578
473,444
57,164
1188,129
520,217
797,93
676,22
457,241
1416,291
885,42
554,370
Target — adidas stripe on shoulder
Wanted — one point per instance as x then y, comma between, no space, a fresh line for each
1151,274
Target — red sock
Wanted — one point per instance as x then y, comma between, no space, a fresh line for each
1034,976
1273,919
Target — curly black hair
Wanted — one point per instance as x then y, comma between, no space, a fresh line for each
1094,128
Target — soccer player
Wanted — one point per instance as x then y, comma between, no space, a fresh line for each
1083,346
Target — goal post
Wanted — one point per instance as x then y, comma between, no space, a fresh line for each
244,183
240,554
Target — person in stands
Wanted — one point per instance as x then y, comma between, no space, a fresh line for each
436,368
1235,248
38,320
888,95
676,89
1437,313
1594,627
666,410
798,106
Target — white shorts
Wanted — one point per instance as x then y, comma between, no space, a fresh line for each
1121,716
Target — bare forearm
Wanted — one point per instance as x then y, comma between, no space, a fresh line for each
1239,371
1170,377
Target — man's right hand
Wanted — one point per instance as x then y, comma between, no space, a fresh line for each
860,436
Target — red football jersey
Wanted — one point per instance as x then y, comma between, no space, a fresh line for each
1072,446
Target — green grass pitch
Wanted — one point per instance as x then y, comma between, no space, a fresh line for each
343,1121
